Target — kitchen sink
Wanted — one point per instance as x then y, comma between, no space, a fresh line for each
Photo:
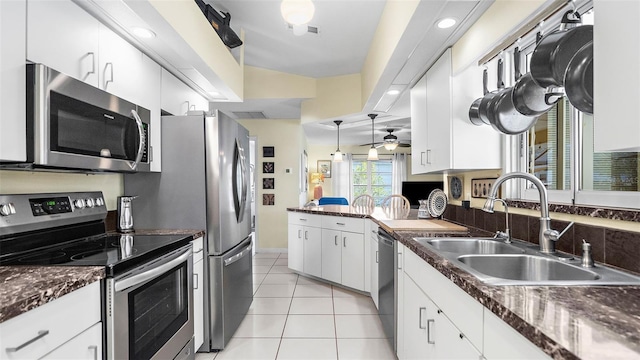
473,246
495,262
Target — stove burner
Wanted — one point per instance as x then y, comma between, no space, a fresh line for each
55,257
94,254
83,246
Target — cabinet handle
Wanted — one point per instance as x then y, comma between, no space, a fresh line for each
41,334
376,256
344,241
199,251
429,157
299,234
189,106
335,240
303,219
195,281
306,235
94,348
421,312
422,158
93,63
430,323
340,224
110,66
399,261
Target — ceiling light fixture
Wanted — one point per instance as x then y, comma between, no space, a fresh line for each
393,92
446,23
390,141
373,153
297,12
337,157
143,33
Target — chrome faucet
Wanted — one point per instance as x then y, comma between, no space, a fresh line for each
506,234
548,236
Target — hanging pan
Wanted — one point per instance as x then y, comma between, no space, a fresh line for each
474,111
554,51
489,98
578,80
529,98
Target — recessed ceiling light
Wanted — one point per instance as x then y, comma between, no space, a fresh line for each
143,33
446,23
393,92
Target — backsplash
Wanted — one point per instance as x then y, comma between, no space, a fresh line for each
610,246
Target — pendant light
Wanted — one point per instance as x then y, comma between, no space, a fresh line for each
373,153
337,157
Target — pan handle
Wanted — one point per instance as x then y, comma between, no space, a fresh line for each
516,63
485,80
500,74
552,97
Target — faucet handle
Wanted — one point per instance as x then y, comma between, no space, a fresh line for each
555,235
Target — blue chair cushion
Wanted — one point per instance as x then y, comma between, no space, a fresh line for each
333,201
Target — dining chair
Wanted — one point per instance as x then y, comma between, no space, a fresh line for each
396,206
363,204
332,201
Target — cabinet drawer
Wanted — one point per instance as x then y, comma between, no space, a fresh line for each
463,310
61,320
300,218
340,223
198,252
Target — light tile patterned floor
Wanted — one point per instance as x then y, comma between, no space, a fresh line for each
294,317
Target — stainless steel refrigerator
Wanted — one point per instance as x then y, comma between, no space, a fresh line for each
204,184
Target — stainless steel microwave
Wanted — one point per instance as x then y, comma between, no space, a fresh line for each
73,125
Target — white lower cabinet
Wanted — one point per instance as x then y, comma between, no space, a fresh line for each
198,292
501,341
66,328
373,262
329,247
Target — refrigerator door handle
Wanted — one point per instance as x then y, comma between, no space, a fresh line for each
239,182
239,255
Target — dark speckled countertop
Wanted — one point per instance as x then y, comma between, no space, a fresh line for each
566,322
23,288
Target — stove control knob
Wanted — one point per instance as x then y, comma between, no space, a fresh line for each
7,209
99,201
90,202
78,203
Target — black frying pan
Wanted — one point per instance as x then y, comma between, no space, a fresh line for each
578,80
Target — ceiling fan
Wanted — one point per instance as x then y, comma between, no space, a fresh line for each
390,141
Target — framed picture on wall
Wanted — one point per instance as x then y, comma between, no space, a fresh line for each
324,167
268,167
268,183
268,199
268,151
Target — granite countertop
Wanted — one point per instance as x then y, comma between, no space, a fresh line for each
23,288
566,322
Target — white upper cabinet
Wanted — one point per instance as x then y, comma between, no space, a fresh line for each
13,136
616,75
63,36
178,98
442,137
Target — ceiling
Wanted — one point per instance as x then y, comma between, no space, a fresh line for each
345,32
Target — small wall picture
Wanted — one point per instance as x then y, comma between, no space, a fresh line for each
268,151
268,183
268,167
324,167
480,188
268,199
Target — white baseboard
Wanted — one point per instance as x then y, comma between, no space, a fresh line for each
271,250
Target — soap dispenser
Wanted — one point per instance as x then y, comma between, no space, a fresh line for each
125,214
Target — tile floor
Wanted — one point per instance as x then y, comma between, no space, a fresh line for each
294,317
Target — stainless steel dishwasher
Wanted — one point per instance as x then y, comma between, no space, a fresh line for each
387,288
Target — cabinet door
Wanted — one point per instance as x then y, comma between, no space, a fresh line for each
120,67
616,77
178,98
312,251
501,341
419,127
13,134
86,346
438,137
63,36
296,248
198,303
332,255
415,322
374,270
448,341
353,260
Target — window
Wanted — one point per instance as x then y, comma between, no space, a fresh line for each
559,151
372,177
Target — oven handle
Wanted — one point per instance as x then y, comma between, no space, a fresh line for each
238,256
151,273
133,165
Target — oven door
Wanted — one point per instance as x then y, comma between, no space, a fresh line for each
150,309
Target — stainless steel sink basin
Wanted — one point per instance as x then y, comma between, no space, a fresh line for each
496,263
526,268
473,246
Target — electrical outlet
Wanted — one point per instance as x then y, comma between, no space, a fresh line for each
480,188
